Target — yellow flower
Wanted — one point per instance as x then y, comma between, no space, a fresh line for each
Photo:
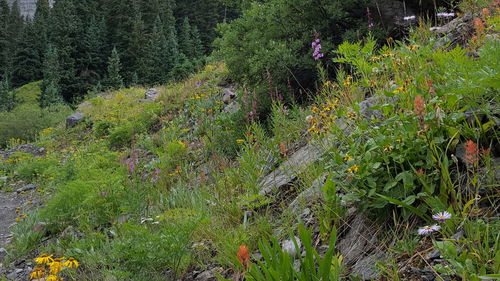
44,259
388,147
399,90
413,47
37,273
348,157
18,219
400,140
53,278
353,169
71,262
240,141
55,267
351,115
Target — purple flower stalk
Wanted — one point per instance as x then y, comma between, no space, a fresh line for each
442,216
317,49
428,229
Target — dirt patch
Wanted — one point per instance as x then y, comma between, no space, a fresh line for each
13,205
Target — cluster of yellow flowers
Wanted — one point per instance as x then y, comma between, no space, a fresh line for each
49,267
323,117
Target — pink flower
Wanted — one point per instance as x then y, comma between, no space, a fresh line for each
428,229
442,216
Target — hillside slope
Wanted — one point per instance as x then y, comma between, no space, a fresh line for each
392,174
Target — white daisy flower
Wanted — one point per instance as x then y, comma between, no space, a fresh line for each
442,216
428,229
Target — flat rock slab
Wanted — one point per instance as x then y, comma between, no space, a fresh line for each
287,172
74,119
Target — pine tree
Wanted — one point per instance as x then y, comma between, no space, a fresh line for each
51,94
13,31
136,49
4,40
92,54
64,29
115,80
41,26
185,39
157,64
198,49
27,63
7,97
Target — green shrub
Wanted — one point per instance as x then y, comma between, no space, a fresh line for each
121,136
27,120
273,40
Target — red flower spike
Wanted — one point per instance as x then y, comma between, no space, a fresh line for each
243,255
471,152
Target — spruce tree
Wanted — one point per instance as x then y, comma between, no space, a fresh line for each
92,55
14,27
51,93
4,39
185,39
27,63
7,98
64,29
41,26
198,49
115,80
157,61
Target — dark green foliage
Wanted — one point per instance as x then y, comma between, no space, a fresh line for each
7,98
93,52
273,39
51,74
27,63
115,80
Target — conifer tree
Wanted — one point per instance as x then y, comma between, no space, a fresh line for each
7,98
198,49
41,26
51,94
157,61
27,63
4,42
92,56
64,31
185,39
115,80
13,31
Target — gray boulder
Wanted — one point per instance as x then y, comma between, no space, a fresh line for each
151,94
74,119
26,188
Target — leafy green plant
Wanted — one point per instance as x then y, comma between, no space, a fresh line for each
276,264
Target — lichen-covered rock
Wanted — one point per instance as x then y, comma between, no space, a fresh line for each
74,119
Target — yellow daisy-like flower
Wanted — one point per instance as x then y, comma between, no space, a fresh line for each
37,273
44,259
399,90
71,262
240,141
53,278
348,157
55,267
388,147
400,140
353,169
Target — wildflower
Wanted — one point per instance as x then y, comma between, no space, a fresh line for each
351,115
428,229
388,147
348,81
18,210
347,157
71,262
53,278
413,47
317,49
400,140
399,90
442,216
353,169
44,259
409,18
37,273
420,172
240,141
243,255
471,152
485,12
479,25
55,267
371,25
419,105
445,15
